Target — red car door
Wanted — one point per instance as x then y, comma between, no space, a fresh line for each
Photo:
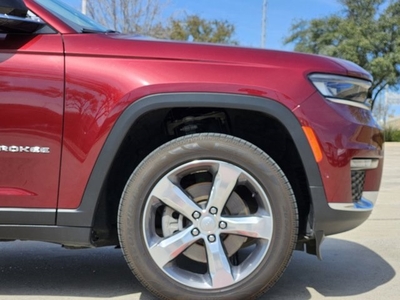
31,119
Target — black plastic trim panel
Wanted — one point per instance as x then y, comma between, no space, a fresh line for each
25,216
69,236
331,221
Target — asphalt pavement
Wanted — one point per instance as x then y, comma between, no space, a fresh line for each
359,264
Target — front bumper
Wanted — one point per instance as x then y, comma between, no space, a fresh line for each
349,138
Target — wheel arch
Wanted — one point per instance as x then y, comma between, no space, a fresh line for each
85,214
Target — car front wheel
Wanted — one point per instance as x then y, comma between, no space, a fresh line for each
207,216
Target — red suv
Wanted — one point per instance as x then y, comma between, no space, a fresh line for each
207,164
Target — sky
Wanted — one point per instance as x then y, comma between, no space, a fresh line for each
246,15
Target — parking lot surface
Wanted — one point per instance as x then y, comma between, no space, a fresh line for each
361,264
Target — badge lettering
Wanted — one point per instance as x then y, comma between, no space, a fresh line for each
25,149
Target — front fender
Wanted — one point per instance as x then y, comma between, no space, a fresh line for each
84,214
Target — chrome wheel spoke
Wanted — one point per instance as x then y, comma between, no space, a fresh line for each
224,182
218,265
172,196
254,226
168,249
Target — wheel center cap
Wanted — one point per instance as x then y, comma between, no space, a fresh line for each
207,224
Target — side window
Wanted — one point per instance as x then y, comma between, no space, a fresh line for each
13,8
16,18
45,29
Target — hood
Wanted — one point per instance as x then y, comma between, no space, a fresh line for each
142,47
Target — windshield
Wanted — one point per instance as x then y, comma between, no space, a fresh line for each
72,17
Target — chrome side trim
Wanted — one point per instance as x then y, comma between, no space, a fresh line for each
33,210
358,164
366,203
371,196
349,102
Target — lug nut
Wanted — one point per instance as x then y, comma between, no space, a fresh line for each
211,238
195,232
223,225
213,210
196,215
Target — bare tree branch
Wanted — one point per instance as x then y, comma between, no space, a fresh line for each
129,16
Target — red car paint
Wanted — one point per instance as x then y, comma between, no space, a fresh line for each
66,90
79,111
31,114
104,73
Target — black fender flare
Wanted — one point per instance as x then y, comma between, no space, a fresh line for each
84,215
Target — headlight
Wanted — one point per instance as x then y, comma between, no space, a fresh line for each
345,90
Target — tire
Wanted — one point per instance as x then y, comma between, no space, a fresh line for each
208,216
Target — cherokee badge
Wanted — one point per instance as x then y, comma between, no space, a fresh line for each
24,149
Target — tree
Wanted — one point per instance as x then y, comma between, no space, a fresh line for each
365,32
130,16
194,28
145,17
382,111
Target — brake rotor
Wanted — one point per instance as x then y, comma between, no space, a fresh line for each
173,221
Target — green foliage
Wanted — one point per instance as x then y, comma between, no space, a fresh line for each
391,134
365,32
197,29
145,17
